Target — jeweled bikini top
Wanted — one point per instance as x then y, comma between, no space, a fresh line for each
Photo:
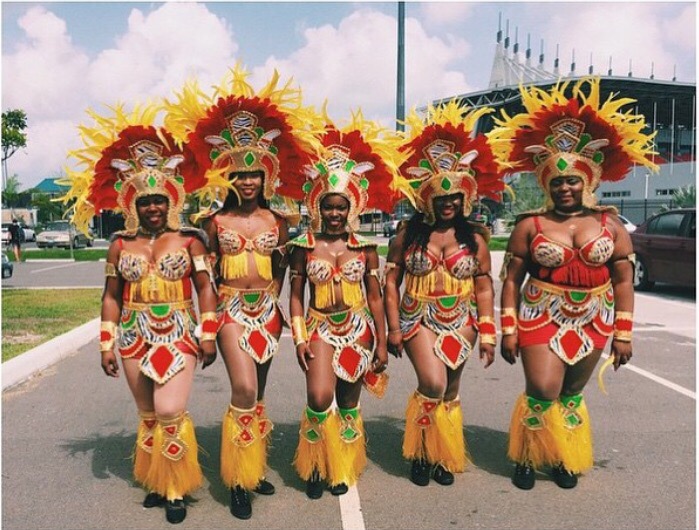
321,271
234,248
460,264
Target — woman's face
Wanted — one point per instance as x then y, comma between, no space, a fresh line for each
447,207
566,193
334,210
248,184
152,211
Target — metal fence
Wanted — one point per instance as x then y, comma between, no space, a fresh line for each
638,210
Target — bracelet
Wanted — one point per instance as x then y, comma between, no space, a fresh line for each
623,325
209,324
508,321
488,338
208,336
486,328
107,335
298,330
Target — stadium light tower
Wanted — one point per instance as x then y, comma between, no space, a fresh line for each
400,88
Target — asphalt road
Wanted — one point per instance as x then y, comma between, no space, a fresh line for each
67,436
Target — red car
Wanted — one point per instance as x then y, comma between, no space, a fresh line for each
665,246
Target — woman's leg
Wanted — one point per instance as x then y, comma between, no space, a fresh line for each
142,390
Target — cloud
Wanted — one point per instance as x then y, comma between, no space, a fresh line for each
354,65
445,13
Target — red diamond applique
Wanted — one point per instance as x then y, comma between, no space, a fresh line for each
174,449
245,419
246,436
161,360
571,343
258,342
149,424
428,406
451,348
260,409
148,442
263,427
424,421
349,359
171,430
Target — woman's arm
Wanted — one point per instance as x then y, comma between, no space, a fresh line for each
279,256
297,283
111,311
485,296
212,233
373,295
201,277
394,277
513,273
622,282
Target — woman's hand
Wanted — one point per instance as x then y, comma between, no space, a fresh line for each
395,343
509,349
487,352
380,361
622,353
109,363
207,352
303,354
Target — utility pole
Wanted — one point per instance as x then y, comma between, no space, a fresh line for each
400,89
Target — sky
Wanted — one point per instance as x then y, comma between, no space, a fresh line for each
60,58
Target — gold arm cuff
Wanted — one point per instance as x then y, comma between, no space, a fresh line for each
508,312
632,258
209,315
208,336
110,270
509,330
623,315
108,332
622,336
487,338
486,318
298,330
201,263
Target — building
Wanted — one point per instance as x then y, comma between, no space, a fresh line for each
668,106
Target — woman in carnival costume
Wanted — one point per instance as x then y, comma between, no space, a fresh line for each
131,167
343,335
448,298
579,259
244,143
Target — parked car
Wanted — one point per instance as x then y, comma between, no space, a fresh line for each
665,247
5,233
390,227
630,227
62,234
29,233
7,267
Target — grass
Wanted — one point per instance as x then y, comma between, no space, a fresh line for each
28,320
81,254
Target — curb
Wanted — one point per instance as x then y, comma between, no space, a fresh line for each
30,363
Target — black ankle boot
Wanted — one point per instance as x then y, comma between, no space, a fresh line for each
442,476
175,511
264,488
314,486
420,472
524,476
339,489
153,499
240,503
564,478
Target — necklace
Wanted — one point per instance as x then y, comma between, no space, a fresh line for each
569,214
153,235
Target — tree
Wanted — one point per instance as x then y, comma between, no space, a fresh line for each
525,195
685,197
11,193
48,209
13,138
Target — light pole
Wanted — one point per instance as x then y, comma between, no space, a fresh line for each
400,89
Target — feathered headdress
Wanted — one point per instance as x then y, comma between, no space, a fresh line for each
446,158
125,157
237,130
359,162
578,136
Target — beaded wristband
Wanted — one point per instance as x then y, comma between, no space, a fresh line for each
107,335
623,325
508,321
298,330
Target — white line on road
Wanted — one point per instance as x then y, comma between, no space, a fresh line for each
351,510
673,386
56,267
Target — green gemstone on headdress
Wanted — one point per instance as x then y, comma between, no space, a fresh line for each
160,310
249,159
415,184
273,150
117,185
259,131
333,180
597,157
549,140
179,179
226,135
561,164
306,187
364,183
446,184
214,154
321,168
425,163
349,165
584,140
152,181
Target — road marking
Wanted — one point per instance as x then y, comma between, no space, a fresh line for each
55,267
351,510
673,386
